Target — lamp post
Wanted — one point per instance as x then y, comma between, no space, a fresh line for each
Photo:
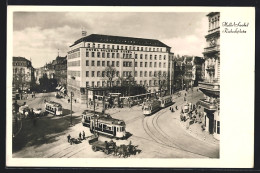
71,95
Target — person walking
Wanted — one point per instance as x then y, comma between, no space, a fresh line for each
83,135
68,100
75,101
80,135
68,137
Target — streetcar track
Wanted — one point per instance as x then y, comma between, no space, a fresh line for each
163,142
58,152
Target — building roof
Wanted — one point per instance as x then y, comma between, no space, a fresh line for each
212,13
120,40
15,58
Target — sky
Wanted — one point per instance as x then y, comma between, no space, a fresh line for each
39,36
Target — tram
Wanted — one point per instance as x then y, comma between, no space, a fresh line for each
165,101
87,115
151,106
53,108
185,111
108,126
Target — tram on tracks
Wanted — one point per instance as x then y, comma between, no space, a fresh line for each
165,101
108,126
151,106
185,111
87,115
53,108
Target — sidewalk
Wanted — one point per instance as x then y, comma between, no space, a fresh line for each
195,129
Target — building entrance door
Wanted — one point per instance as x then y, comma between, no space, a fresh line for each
210,116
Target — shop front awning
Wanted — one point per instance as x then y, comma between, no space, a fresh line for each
207,105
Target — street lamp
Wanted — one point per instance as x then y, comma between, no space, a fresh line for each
71,95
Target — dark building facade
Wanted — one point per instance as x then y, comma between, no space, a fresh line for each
60,68
23,74
210,86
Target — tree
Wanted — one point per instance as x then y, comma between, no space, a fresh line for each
110,74
47,84
162,79
20,81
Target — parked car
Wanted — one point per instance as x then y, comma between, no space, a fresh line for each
24,110
38,111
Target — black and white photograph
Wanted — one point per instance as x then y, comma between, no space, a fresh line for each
118,84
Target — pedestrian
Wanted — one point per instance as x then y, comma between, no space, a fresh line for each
170,108
80,135
75,100
68,100
68,137
176,107
83,135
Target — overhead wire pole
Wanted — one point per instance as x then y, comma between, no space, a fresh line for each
71,108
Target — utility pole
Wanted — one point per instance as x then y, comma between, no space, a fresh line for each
71,108
103,111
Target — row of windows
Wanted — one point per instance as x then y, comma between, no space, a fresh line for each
145,64
93,45
116,83
117,55
102,74
125,64
125,73
103,63
16,70
214,22
74,63
74,73
151,57
20,63
74,55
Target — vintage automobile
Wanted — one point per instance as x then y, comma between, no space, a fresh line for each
24,111
37,111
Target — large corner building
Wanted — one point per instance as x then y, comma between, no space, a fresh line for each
211,86
144,59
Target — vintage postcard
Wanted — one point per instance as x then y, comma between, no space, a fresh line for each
130,87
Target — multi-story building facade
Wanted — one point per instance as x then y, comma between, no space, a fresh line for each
148,61
211,86
60,67
23,74
193,70
38,73
179,70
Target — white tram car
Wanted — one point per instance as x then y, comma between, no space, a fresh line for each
151,106
108,126
53,108
87,115
165,101
185,111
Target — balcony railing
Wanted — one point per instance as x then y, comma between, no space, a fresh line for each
211,49
214,85
213,30
207,105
